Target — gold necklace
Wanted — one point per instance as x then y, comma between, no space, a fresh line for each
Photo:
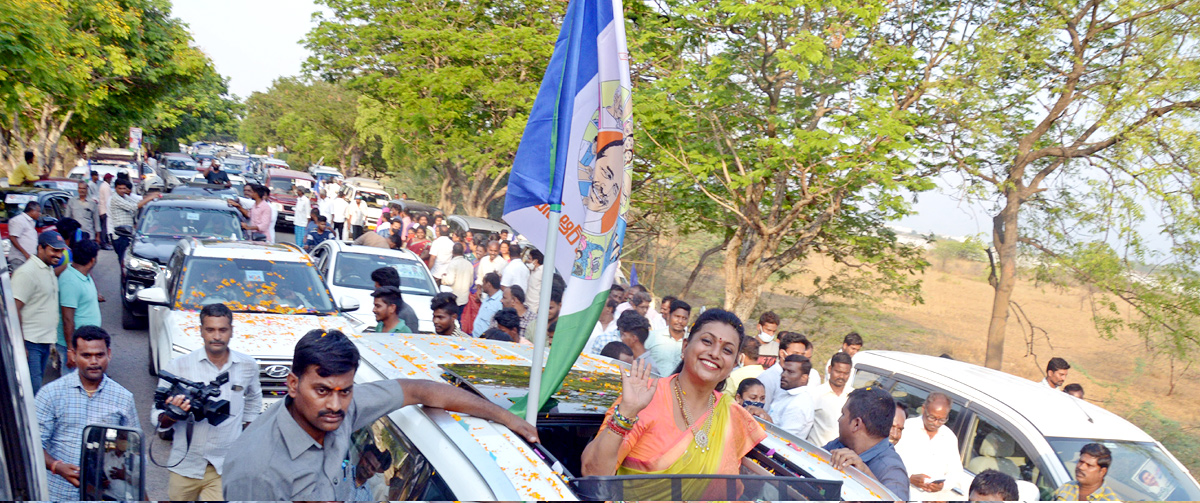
699,437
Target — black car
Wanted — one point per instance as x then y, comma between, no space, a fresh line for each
160,225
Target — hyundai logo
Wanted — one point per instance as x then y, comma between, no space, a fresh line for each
277,371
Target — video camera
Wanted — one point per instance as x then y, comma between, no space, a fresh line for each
202,396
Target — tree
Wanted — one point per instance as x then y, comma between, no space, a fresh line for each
202,110
790,124
1074,118
451,83
312,119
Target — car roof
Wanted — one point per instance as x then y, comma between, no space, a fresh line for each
289,173
348,247
28,190
191,201
176,154
365,182
481,223
1053,413
411,206
280,252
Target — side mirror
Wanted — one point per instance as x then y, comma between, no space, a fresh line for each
155,296
347,304
112,464
124,231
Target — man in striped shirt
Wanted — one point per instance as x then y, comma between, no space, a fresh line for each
196,471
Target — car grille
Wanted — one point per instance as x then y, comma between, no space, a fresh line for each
273,386
289,208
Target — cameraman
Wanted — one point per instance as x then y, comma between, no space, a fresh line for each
196,468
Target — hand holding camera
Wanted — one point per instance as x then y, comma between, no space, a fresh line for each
180,401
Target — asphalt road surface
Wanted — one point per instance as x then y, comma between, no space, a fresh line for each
130,365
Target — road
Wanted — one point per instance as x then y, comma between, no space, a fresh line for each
129,365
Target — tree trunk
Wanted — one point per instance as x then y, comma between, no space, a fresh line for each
447,192
1004,236
687,287
743,279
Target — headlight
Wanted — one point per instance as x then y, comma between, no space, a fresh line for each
132,262
277,207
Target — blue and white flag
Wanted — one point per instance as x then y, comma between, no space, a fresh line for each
575,157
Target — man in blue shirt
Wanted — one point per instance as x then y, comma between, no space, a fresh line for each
492,303
863,439
77,297
318,235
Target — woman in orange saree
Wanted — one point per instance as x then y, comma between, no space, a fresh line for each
681,424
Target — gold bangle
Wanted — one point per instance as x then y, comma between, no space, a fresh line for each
54,466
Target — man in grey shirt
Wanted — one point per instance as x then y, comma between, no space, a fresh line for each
295,450
85,210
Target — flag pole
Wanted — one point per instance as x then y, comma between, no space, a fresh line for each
533,402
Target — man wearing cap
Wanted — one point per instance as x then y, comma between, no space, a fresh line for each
103,196
215,176
35,289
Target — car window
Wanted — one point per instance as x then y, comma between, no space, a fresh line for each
249,285
353,270
864,378
173,271
914,398
1139,471
388,467
199,222
55,207
991,447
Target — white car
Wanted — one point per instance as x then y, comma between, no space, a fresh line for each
1025,429
437,455
346,269
274,292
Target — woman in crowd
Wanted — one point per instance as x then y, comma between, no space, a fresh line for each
683,423
420,244
751,393
504,251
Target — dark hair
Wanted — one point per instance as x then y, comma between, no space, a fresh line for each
458,249
617,287
391,296
805,363
259,189
497,335
787,338
83,251
875,407
667,300
67,227
994,483
331,351
748,383
615,349
556,293
638,288
322,219
680,304
768,317
1073,387
517,293
639,299
386,276
123,182
29,156
507,318
1100,452
807,344
852,339
840,357
634,323
514,250
32,205
750,347
493,279
903,408
215,310
538,256
90,333
445,301
715,315
552,326
1055,364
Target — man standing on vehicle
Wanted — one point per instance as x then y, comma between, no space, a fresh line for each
23,174
303,208
23,235
122,211
1090,470
103,197
1056,373
197,467
929,449
295,450
828,400
861,442
71,402
492,302
84,210
35,289
215,176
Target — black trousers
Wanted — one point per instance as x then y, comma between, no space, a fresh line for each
103,231
337,229
120,245
356,231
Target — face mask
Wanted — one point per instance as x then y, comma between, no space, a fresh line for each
748,403
531,266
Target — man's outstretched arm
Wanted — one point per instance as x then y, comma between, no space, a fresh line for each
444,396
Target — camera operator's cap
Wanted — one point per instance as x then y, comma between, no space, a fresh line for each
52,239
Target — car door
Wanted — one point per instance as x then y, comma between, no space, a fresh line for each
992,443
386,466
168,280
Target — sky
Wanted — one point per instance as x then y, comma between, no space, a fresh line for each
252,42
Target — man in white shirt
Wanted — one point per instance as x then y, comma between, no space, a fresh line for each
793,409
667,348
303,209
325,206
517,270
457,278
533,293
338,206
493,262
607,324
658,318
768,326
104,192
356,218
790,343
22,232
442,250
852,343
828,400
930,451
1056,373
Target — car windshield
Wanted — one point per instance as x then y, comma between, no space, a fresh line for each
374,199
353,270
1139,470
281,185
181,164
199,222
266,286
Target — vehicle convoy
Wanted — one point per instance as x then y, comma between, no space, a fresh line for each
346,269
372,192
273,289
1025,429
281,182
159,227
444,456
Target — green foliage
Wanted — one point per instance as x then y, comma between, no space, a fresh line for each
972,249
313,120
450,83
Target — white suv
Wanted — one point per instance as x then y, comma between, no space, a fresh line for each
1026,429
346,270
274,292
